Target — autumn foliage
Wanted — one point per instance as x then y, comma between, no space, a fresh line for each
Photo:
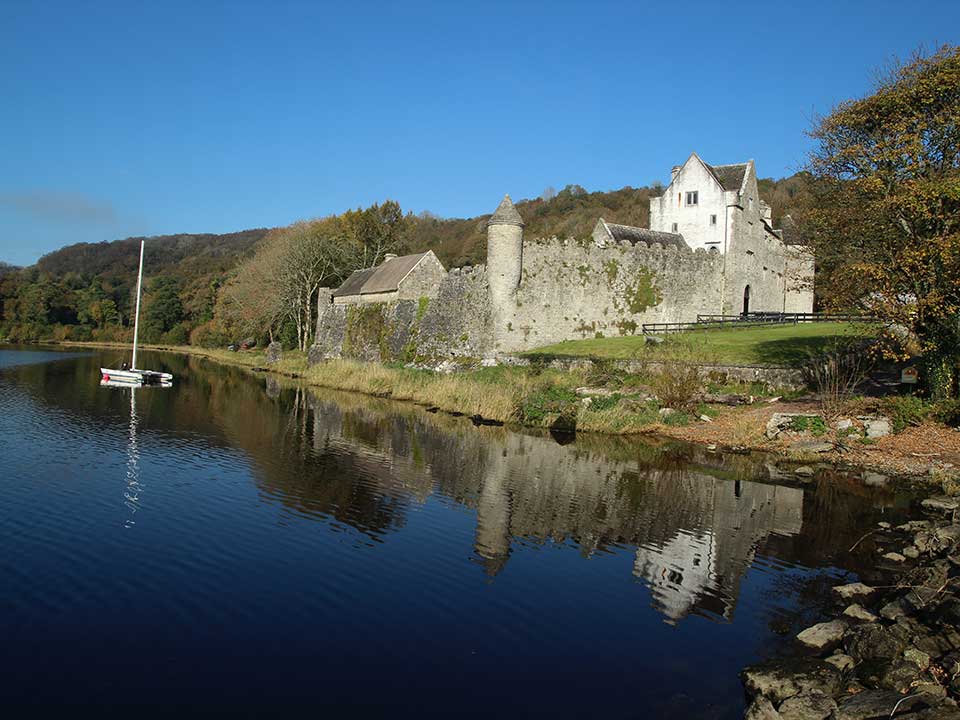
884,222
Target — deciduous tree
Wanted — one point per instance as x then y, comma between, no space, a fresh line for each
885,219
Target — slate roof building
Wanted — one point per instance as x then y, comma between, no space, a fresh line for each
604,232
407,277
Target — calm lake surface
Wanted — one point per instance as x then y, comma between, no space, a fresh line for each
232,545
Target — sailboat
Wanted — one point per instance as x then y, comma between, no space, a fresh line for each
133,375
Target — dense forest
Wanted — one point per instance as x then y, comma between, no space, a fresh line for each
213,289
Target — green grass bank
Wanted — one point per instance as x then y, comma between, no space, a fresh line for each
775,345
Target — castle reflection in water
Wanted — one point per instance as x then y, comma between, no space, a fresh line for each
696,520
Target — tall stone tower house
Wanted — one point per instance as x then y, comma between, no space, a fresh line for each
718,208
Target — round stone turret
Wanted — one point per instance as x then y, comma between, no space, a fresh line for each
504,261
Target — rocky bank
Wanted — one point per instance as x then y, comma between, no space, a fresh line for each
893,648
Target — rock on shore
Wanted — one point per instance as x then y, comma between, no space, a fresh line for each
893,651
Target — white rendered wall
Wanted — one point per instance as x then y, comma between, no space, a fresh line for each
693,221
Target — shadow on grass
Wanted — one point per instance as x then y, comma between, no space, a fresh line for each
793,351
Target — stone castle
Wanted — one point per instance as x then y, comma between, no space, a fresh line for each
710,249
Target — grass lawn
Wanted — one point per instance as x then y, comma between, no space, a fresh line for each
783,345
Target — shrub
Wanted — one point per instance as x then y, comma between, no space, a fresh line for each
179,334
948,412
605,372
545,404
599,404
209,335
906,410
676,384
814,425
677,418
835,374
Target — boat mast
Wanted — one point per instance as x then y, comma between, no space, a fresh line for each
136,321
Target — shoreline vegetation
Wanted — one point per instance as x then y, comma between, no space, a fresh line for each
605,401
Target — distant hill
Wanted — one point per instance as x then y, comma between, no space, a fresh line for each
163,252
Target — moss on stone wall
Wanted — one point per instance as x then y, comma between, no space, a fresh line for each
642,293
612,269
366,328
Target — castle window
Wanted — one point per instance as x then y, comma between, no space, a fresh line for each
751,203
692,197
673,228
713,219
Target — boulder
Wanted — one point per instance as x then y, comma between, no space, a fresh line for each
783,678
840,661
666,412
805,471
911,552
844,424
779,422
860,613
894,557
877,428
893,610
936,540
917,657
823,636
853,591
873,704
869,642
652,340
900,675
761,709
942,503
808,706
274,352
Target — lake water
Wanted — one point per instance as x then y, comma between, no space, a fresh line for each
232,545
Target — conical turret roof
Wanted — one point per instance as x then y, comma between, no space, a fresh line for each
506,214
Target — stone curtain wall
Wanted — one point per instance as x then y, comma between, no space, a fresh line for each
569,290
572,289
423,331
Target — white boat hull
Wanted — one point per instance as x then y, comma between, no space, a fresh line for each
135,377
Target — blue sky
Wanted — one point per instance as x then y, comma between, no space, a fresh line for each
137,117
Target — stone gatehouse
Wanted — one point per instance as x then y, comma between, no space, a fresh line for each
710,249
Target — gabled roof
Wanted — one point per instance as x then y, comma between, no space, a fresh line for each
386,277
353,284
730,177
636,234
506,214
